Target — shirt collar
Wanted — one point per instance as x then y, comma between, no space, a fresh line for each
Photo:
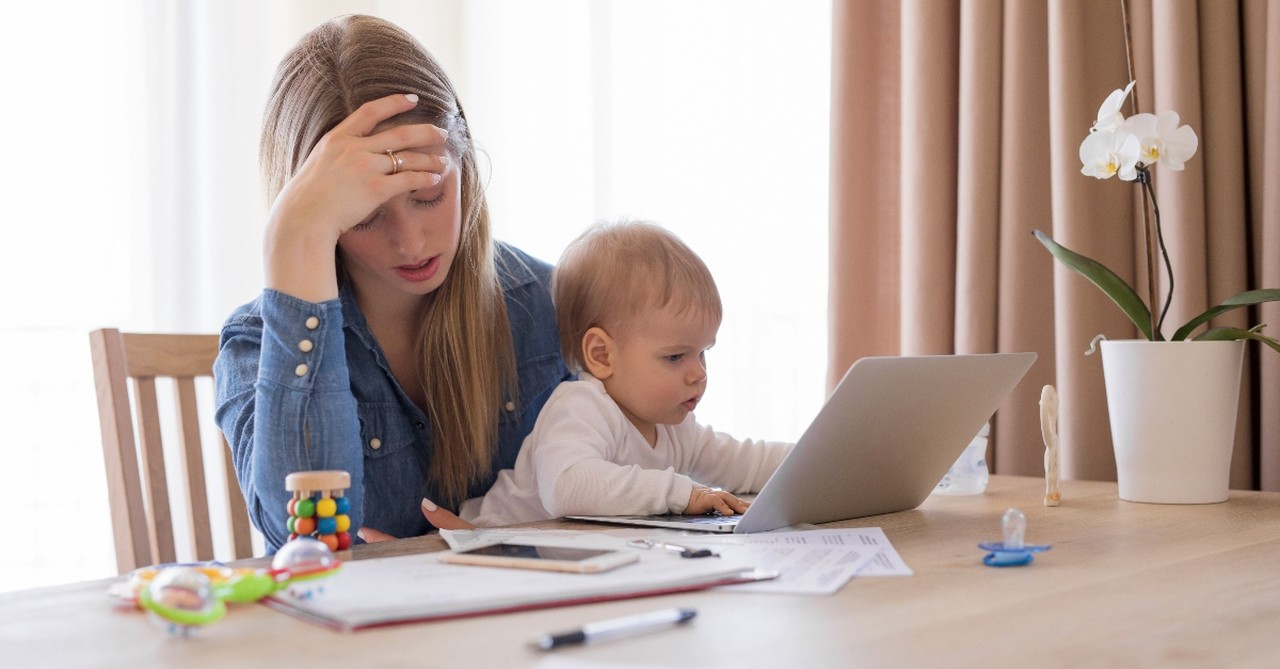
512,270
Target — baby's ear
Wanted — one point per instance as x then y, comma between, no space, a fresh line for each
597,353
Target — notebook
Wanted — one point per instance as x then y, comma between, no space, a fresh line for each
881,442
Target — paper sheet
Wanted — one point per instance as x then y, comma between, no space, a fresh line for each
809,562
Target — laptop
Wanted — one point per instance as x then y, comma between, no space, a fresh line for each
886,435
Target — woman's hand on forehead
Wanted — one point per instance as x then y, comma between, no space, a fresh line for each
353,168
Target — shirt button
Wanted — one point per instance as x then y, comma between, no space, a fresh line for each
305,346
313,323
301,370
509,406
375,443
420,425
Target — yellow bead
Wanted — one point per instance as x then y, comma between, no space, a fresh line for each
344,522
326,507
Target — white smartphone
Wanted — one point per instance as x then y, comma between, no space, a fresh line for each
551,558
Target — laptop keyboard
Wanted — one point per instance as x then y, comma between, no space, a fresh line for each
711,520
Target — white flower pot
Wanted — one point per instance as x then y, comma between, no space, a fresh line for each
1173,417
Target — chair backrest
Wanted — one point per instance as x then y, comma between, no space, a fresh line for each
141,517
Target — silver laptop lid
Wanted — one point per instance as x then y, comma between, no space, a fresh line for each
884,438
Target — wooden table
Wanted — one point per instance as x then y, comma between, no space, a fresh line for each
1125,585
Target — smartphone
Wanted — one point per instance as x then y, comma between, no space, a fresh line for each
551,558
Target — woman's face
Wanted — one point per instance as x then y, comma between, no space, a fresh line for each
406,246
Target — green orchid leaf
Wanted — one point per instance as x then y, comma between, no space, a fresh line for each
1244,299
1106,281
1231,334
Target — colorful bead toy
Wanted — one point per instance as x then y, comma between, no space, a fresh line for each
318,508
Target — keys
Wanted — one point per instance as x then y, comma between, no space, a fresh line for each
682,551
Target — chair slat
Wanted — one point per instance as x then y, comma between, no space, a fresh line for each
124,485
151,452
241,541
193,454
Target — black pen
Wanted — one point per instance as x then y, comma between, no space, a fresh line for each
617,627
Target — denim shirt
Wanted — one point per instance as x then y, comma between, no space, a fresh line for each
305,386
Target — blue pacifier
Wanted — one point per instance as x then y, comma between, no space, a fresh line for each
1011,552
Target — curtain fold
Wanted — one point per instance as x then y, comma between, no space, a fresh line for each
973,114
1263,127
979,178
930,50
864,185
1024,317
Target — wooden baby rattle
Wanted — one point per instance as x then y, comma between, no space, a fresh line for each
318,508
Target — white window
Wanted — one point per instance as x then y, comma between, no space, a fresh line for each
133,197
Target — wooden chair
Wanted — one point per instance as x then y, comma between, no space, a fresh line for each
141,518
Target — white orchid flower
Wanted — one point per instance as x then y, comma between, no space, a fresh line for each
1109,116
1105,154
1129,148
1163,140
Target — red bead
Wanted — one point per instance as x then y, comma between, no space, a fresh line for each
344,540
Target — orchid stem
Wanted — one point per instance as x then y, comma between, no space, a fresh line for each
1148,253
1148,250
1128,55
1149,193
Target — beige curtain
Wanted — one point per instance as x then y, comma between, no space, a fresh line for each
955,133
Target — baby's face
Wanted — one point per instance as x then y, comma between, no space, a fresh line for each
660,368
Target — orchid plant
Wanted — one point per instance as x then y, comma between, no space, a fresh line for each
1130,148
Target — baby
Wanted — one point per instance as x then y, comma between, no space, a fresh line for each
637,310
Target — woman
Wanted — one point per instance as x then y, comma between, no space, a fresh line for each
394,339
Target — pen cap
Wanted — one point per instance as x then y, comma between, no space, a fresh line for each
549,641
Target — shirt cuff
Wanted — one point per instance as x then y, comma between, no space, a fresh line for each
681,488
302,343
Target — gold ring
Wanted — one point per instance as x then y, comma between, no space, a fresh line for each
397,163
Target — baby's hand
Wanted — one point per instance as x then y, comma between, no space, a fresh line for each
703,500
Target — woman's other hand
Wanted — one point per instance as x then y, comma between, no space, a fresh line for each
443,519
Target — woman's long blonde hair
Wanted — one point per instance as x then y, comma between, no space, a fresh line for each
464,348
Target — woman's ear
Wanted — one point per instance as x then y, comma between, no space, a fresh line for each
597,353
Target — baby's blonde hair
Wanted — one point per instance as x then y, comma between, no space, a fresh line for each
614,272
